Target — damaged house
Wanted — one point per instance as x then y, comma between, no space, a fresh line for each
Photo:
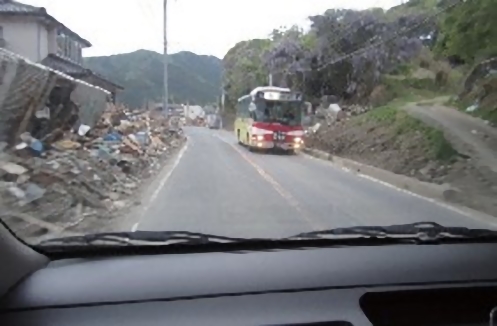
41,69
36,35
67,155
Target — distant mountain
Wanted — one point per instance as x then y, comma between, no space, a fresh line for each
192,77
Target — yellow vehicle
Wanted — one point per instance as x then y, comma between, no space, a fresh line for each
270,117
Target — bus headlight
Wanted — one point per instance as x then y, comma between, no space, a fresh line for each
260,138
297,140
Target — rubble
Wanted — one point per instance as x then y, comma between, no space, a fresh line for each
330,113
76,171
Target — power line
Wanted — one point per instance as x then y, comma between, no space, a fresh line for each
377,44
390,39
149,11
347,31
146,14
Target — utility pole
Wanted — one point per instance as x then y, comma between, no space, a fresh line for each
221,104
270,79
165,99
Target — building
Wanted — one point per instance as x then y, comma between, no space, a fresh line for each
34,34
194,111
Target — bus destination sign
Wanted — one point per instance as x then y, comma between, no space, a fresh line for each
280,96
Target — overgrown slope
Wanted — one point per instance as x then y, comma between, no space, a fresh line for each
384,63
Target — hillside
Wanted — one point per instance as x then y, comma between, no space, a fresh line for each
392,73
196,78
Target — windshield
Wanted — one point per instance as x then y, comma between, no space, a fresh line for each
287,113
255,120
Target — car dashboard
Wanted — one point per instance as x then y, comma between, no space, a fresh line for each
351,286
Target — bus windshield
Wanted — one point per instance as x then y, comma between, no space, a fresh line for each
287,113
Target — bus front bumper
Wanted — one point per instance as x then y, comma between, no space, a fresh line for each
273,145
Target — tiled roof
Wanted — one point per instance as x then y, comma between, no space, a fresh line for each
11,7
72,68
63,65
12,55
105,79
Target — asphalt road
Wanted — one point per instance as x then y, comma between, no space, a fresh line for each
221,188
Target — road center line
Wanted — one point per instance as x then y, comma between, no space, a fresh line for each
276,186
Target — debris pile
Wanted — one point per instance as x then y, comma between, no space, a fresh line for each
54,183
330,115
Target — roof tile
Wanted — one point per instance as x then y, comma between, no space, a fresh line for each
72,68
10,6
63,65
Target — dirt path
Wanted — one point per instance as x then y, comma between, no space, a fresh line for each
468,135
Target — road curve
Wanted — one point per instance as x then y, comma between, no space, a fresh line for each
221,188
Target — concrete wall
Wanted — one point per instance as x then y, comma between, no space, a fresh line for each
91,102
43,42
52,40
25,36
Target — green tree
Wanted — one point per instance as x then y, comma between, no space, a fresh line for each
244,69
469,31
191,76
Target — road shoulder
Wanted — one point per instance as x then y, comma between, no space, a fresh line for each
133,215
439,194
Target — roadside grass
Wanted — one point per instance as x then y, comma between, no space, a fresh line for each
483,92
489,114
387,136
411,89
401,124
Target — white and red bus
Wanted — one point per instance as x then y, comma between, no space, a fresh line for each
270,117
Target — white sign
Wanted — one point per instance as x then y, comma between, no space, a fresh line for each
277,96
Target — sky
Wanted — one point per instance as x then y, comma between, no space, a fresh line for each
208,27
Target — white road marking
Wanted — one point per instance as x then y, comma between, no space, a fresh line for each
166,177
161,185
431,200
470,213
473,216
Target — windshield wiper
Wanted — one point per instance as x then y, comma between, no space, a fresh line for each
422,231
141,238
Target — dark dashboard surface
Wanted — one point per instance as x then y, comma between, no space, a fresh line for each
248,288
